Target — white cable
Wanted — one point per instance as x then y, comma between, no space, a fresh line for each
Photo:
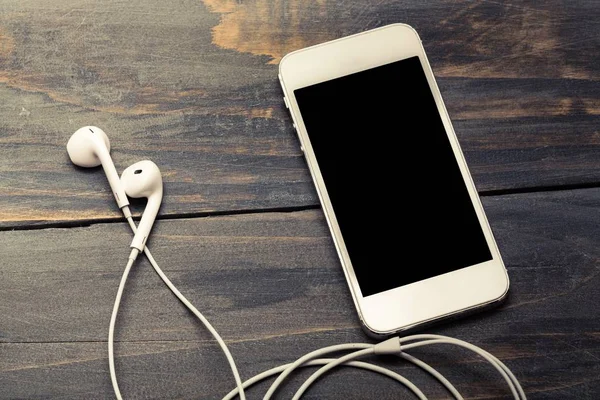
111,327
333,364
500,363
341,360
310,356
190,306
511,380
357,364
319,361
489,359
423,365
472,348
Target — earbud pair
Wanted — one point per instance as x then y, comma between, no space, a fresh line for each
89,147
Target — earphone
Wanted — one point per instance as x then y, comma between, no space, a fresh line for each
143,179
90,147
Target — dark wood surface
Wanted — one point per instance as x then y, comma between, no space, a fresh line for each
193,86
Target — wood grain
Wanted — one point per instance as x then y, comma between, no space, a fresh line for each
272,286
193,86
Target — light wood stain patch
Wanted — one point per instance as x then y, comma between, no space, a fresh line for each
262,27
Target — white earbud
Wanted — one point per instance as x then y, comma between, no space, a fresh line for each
143,179
89,147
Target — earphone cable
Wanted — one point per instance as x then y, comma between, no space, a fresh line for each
427,339
348,357
419,341
307,357
356,364
344,359
111,328
193,309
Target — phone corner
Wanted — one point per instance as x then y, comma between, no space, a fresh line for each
402,330
282,63
403,27
375,332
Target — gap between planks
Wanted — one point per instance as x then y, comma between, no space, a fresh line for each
83,223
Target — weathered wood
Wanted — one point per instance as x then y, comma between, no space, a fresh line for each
197,370
271,284
193,86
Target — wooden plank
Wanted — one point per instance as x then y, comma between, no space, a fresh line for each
196,370
193,86
272,286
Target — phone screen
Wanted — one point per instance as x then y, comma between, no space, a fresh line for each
395,186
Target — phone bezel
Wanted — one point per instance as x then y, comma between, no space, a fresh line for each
420,302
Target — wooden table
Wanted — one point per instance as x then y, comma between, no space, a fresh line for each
193,86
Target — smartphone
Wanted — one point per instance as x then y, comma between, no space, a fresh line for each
407,223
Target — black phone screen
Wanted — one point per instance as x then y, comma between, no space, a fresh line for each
395,186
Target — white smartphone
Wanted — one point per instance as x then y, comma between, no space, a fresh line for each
404,214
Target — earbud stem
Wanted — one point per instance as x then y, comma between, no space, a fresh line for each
145,226
113,177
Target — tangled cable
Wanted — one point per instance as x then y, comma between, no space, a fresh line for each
395,346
